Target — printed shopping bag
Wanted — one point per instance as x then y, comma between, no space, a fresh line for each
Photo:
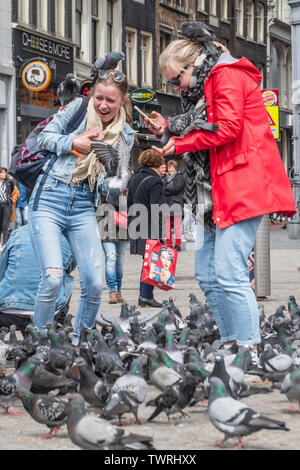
159,265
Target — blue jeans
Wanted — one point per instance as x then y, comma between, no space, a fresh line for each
69,210
221,268
21,216
114,262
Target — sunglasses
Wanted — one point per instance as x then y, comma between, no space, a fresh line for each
175,81
117,76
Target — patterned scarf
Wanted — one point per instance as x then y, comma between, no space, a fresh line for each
198,181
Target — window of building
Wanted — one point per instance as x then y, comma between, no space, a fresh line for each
260,22
250,19
78,27
68,19
95,30
52,16
213,7
131,54
146,59
201,5
33,19
240,17
224,9
109,22
275,64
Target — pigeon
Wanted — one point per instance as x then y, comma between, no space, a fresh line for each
293,308
234,418
199,32
183,124
90,432
68,89
116,163
290,386
107,61
91,387
106,361
237,368
128,392
160,375
275,365
172,349
21,377
175,398
44,409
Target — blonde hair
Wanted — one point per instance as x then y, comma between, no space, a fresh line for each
123,87
181,53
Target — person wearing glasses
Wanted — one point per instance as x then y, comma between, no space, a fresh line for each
71,193
234,175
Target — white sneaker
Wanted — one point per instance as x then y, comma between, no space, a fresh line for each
253,354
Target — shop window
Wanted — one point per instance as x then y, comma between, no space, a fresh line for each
46,98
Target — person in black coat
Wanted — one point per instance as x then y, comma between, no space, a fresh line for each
145,221
6,190
173,185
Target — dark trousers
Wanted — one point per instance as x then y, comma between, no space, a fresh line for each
5,215
146,290
8,319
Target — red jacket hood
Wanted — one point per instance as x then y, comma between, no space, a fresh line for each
243,63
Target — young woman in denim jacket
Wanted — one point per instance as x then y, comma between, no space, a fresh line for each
70,195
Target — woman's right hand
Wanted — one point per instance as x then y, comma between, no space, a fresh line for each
156,123
82,142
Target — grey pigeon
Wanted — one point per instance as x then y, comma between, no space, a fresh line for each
175,398
10,384
116,163
107,361
197,31
108,61
160,375
290,386
234,418
91,387
68,89
127,393
183,124
275,365
89,432
44,409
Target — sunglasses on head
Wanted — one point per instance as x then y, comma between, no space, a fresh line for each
175,81
117,76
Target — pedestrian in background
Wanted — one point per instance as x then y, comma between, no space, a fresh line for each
173,186
21,210
146,189
6,190
236,172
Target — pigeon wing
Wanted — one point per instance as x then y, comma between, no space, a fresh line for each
107,155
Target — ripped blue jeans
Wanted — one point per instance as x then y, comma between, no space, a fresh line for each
69,210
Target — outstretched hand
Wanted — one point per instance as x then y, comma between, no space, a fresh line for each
168,149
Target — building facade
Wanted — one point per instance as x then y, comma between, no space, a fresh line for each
7,85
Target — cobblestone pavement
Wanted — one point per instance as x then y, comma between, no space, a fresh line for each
196,432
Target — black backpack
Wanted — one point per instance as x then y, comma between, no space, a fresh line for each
28,159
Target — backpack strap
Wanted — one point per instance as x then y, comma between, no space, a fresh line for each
73,124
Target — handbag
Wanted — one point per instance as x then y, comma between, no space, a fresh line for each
121,219
159,265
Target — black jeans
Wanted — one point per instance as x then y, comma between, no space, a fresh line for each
5,215
8,319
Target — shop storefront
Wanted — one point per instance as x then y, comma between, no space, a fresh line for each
41,65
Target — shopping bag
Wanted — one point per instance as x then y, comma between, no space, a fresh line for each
159,265
121,219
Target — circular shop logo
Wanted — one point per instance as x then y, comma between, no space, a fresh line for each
36,76
270,98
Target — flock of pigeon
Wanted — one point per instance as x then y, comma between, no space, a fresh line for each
111,369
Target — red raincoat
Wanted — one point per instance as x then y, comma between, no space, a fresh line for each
247,174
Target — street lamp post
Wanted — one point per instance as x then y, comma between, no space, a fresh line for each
294,224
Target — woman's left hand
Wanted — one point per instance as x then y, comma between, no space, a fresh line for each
168,149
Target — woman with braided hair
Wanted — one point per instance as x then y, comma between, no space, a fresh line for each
234,171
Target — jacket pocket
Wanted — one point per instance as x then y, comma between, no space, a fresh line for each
226,165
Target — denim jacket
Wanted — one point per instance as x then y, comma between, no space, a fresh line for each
55,139
20,272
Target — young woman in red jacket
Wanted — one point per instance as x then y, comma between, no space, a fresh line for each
234,171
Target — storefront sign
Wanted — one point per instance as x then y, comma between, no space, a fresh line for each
142,95
46,46
271,102
36,76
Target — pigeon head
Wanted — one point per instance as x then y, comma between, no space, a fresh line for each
197,31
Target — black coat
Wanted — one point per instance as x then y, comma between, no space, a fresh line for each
146,192
174,189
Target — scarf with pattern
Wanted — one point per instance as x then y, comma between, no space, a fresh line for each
198,181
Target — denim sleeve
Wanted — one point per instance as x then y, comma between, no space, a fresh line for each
53,137
4,258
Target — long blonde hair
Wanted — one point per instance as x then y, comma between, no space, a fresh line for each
181,53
